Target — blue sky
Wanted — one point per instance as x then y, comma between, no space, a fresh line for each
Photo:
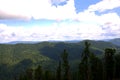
43,20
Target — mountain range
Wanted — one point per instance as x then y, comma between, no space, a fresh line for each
115,41
17,56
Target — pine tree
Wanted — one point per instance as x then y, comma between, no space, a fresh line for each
117,71
84,66
38,73
29,74
109,63
66,66
58,72
48,75
96,67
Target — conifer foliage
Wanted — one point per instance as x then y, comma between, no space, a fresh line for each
66,66
91,67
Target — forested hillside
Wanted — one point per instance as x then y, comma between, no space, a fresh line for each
115,41
17,58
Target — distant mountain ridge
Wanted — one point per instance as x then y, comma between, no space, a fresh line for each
52,49
23,42
18,56
115,41
34,42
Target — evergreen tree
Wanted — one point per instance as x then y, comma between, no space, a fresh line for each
117,71
109,63
96,68
48,75
82,71
21,77
66,66
58,72
84,67
29,74
38,73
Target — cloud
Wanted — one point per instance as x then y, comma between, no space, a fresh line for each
43,9
105,5
87,16
36,9
83,25
103,26
72,31
14,9
58,2
61,12
4,16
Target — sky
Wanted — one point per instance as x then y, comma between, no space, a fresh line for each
59,20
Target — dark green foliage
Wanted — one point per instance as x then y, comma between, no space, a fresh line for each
82,71
96,66
58,72
90,67
49,75
4,72
66,66
86,53
38,73
16,59
84,67
29,74
117,71
109,63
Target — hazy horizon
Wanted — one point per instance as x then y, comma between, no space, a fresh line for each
59,20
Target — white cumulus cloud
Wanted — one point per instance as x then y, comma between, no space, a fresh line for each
42,9
105,5
37,9
72,31
89,25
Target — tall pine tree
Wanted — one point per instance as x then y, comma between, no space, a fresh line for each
66,66
58,72
38,73
84,66
96,66
109,63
